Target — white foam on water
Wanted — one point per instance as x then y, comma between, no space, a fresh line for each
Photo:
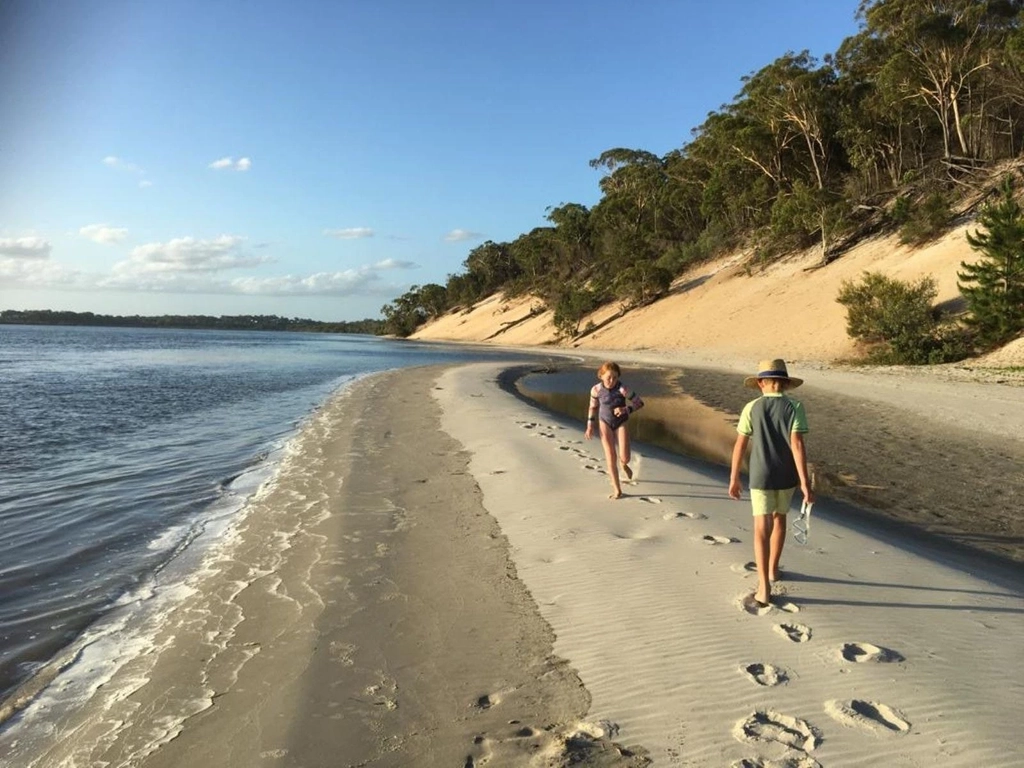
111,660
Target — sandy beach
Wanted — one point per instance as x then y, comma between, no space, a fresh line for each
443,581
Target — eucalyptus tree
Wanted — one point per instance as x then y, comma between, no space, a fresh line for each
1007,81
493,265
944,46
573,236
403,315
741,172
536,255
632,188
464,289
882,132
794,98
433,299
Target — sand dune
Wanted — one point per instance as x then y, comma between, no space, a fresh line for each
723,312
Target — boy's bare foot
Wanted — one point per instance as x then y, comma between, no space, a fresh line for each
628,472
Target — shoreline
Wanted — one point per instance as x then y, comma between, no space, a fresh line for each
444,581
364,611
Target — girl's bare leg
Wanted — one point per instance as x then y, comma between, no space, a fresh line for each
624,452
608,441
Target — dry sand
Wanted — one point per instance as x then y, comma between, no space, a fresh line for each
879,651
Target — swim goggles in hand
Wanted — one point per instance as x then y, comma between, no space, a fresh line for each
802,524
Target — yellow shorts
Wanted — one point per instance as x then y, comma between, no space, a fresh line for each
767,502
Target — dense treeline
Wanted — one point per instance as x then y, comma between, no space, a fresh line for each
890,132
209,322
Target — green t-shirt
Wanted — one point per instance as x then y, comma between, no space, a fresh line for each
769,421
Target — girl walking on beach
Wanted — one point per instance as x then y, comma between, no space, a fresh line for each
611,402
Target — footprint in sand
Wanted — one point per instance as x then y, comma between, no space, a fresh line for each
765,674
687,515
768,726
869,715
714,540
750,604
744,568
487,701
795,760
528,424
580,743
798,633
863,652
648,499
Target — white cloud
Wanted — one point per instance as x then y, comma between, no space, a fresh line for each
188,254
229,163
461,235
41,273
101,233
25,248
117,163
351,233
186,265
396,264
145,183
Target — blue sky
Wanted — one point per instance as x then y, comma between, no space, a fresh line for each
316,159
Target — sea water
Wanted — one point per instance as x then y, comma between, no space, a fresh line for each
122,449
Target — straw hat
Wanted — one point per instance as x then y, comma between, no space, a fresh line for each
772,369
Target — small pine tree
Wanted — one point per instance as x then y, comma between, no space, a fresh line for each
994,286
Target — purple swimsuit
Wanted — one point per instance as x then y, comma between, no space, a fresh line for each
607,400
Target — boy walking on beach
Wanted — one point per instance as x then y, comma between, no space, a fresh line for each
774,425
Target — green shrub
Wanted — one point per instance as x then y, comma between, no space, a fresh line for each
571,305
925,222
894,317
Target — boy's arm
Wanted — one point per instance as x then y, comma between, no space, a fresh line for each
796,442
738,451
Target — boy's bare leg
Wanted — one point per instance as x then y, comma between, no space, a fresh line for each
763,525
608,441
624,451
778,540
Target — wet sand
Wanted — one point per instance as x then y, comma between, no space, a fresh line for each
922,476
366,612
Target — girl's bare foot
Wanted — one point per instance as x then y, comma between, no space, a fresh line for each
762,598
627,471
615,494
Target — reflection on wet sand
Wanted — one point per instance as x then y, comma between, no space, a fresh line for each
670,419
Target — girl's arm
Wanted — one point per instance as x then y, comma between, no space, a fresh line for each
633,401
592,413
